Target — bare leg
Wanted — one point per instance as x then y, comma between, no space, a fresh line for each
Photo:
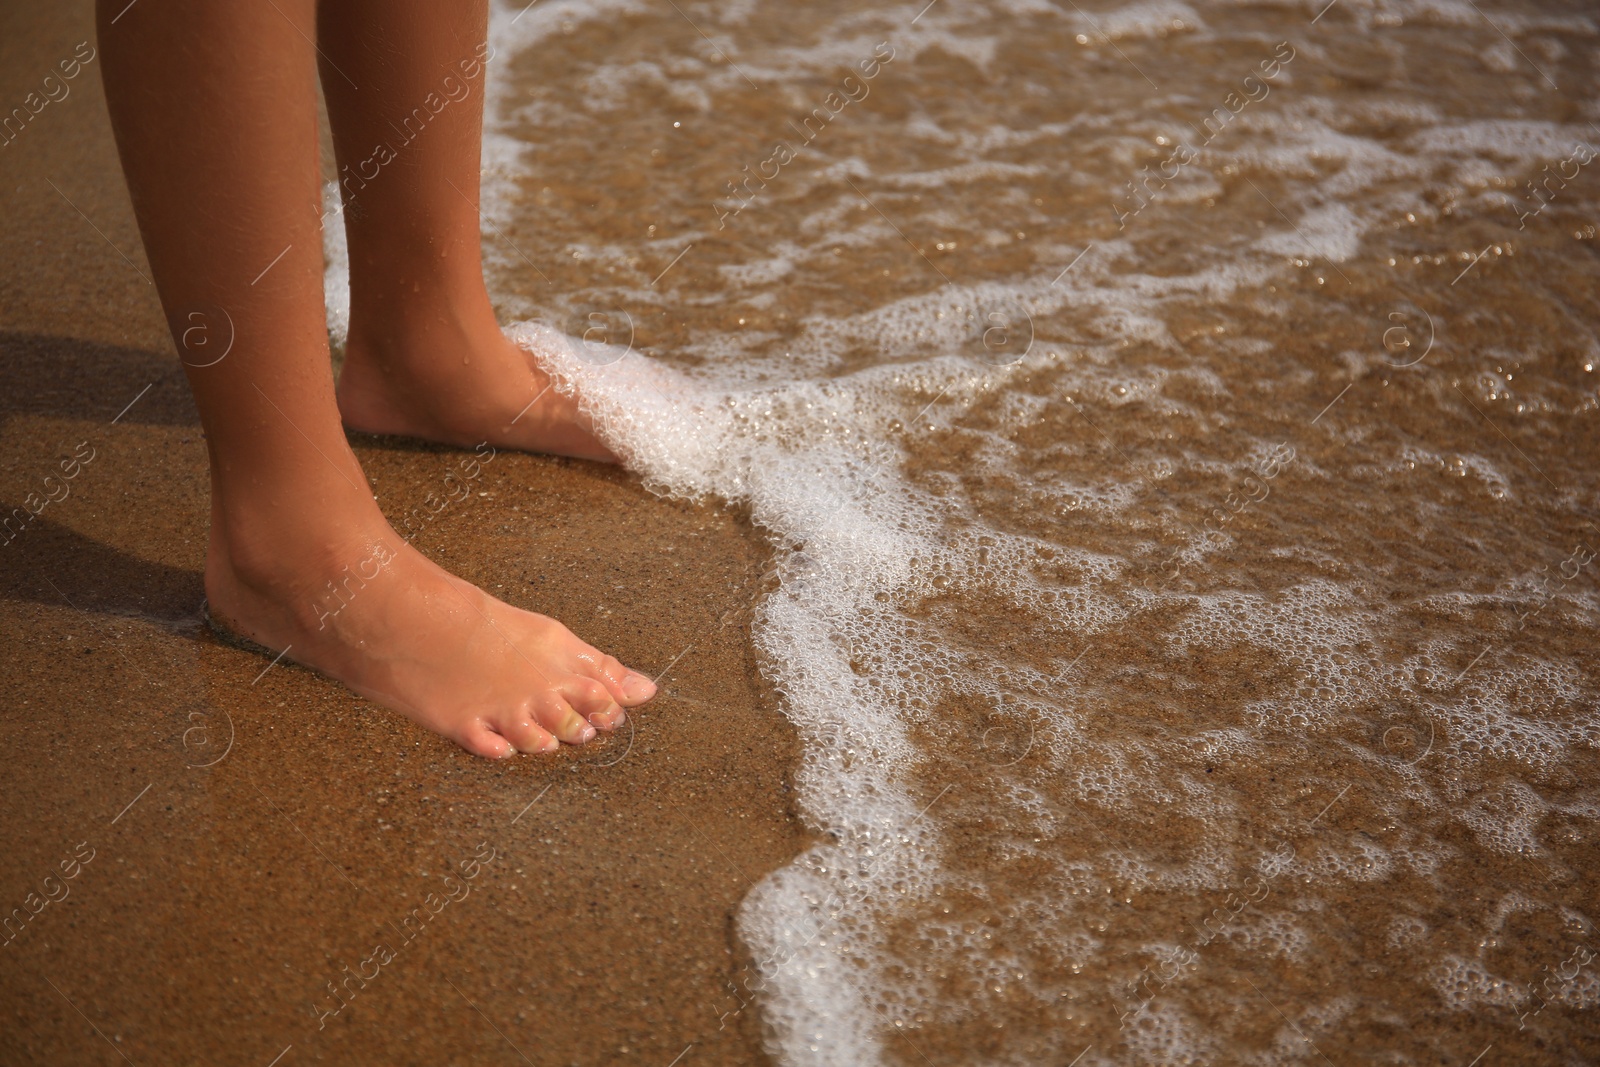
425,357
214,110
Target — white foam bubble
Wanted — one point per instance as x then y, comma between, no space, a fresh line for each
1466,984
336,265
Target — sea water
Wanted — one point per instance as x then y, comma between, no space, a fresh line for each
1175,424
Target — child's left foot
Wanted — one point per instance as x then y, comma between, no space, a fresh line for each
454,378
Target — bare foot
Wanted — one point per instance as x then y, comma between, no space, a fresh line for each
366,608
448,374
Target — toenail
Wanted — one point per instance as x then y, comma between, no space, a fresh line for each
586,734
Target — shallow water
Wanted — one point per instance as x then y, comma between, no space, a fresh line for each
1176,424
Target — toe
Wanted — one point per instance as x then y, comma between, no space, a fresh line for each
557,716
626,687
481,740
593,701
636,688
526,735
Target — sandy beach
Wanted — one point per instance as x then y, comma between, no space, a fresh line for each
253,832
1139,605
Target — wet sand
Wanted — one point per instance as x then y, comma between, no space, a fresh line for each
246,833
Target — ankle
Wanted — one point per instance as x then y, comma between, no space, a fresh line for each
403,317
274,551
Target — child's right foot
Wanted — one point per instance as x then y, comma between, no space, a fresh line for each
374,613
